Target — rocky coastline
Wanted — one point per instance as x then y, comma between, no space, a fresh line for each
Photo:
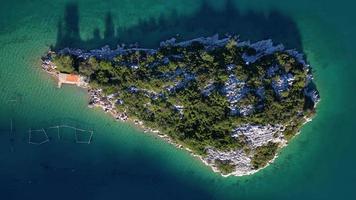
254,135
105,102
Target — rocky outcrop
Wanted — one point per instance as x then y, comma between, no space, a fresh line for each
252,135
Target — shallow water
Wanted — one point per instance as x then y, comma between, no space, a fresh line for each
122,162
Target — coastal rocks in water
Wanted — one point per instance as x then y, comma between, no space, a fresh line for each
107,103
240,161
262,48
208,42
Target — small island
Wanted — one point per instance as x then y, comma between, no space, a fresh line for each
233,104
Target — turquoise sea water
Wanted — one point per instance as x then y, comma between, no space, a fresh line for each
124,163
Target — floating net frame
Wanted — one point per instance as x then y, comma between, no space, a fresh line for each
60,137
30,131
57,127
12,100
7,126
77,140
11,127
11,105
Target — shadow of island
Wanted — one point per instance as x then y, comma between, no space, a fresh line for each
206,21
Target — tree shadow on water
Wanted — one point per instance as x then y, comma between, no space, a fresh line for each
68,33
206,21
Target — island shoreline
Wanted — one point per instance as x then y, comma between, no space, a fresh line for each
49,67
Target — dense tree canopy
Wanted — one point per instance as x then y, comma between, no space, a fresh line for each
181,91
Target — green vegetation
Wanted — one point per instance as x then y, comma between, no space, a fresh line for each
224,166
64,63
264,154
180,91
